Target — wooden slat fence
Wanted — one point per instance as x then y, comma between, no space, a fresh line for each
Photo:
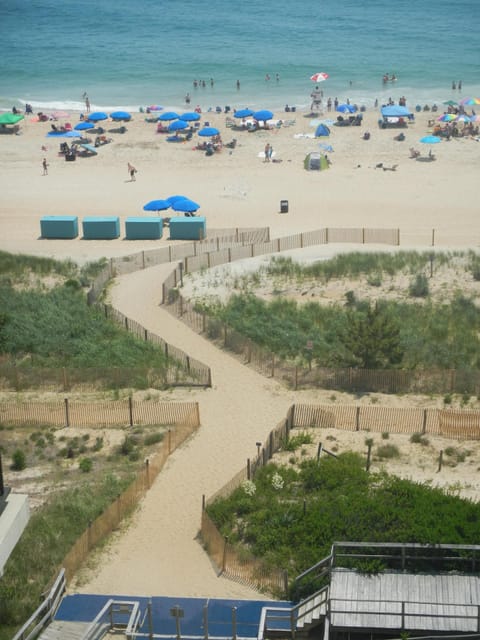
239,565
111,518
108,413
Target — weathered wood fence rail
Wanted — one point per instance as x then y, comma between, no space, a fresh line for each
245,567
114,413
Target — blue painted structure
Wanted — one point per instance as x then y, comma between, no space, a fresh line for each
188,228
142,228
85,607
101,228
59,227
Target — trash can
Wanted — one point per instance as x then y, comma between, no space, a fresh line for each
283,206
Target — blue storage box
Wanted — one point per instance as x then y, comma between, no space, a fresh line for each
59,227
150,228
186,228
101,228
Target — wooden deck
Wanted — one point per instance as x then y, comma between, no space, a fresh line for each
395,600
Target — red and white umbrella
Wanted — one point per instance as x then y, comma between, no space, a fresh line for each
319,77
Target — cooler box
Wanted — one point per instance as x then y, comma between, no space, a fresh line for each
101,228
59,226
186,228
143,228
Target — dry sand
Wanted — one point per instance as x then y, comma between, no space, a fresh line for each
159,554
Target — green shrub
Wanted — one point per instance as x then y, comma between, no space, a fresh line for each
85,465
292,443
153,438
388,451
98,444
19,460
419,286
419,438
385,435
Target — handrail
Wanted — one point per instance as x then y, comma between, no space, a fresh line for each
46,609
325,561
402,610
95,626
295,614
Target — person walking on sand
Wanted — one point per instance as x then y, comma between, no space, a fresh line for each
267,152
132,171
45,167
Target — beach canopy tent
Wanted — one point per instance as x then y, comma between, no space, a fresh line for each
315,161
322,131
396,111
395,116
10,118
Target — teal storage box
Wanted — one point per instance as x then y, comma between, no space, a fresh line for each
144,228
101,228
186,228
59,227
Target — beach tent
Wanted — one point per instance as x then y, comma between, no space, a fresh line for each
321,131
396,111
315,161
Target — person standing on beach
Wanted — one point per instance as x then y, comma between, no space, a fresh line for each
132,171
45,167
267,152
87,104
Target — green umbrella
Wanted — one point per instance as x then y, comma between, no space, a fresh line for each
10,118
450,103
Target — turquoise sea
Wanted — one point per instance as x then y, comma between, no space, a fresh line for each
134,53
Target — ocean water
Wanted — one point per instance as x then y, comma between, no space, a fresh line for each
135,53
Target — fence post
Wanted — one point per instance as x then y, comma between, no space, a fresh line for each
145,335
285,582
424,426
249,469
67,413
224,335
169,441
357,419
319,451
363,235
369,454
295,385
326,235
204,502
270,445
224,558
188,364
433,237
130,410
398,237
440,461
273,365
209,381
143,259
147,472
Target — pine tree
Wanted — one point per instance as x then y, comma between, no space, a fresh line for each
373,339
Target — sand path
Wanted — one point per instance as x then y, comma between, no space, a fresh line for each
158,554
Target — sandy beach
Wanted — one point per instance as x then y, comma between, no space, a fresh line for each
158,553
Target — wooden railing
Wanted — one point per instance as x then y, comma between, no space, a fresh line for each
45,612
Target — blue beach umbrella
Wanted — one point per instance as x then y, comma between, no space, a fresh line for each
190,116
430,139
96,116
178,125
120,115
168,115
346,108
243,113
83,126
185,205
172,199
207,132
262,115
156,205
